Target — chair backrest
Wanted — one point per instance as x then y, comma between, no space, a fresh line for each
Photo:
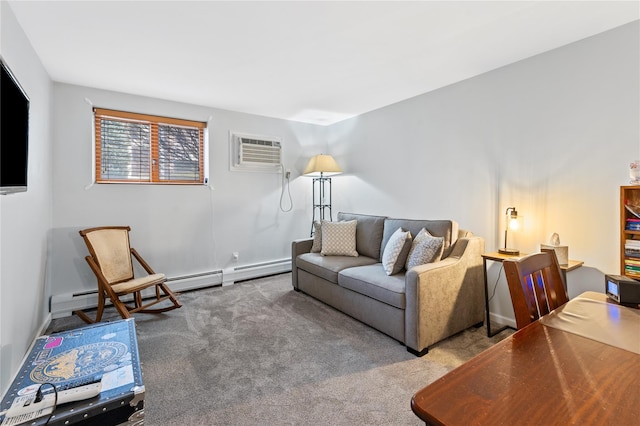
110,249
536,286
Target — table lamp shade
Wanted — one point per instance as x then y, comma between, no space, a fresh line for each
322,165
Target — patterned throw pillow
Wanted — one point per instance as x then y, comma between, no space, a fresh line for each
317,237
425,249
339,238
395,252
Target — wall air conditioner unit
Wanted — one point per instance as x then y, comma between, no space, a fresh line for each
253,153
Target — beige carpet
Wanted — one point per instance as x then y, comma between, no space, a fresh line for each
258,353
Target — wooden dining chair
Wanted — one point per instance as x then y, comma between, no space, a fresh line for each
536,286
111,260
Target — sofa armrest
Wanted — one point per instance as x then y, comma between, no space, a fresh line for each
445,297
298,247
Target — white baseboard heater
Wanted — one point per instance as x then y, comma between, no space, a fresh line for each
257,270
63,305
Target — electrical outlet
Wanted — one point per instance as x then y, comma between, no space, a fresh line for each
235,256
287,174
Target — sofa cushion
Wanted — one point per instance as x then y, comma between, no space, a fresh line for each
372,281
317,238
395,252
327,267
425,248
448,229
339,238
368,233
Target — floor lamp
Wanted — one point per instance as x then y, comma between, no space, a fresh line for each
320,167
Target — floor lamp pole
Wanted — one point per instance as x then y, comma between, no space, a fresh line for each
321,199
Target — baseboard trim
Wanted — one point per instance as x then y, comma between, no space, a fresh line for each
502,320
45,324
63,305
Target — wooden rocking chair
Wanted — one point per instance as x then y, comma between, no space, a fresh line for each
111,261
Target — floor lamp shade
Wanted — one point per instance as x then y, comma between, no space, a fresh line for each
319,168
322,165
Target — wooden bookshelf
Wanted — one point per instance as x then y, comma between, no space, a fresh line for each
629,209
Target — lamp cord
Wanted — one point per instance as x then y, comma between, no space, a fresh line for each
493,293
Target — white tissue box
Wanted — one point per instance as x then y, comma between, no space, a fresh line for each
562,252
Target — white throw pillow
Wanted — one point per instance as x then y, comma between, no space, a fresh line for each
395,252
425,249
339,238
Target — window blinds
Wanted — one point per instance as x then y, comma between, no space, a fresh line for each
144,148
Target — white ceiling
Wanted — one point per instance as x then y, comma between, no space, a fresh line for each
317,62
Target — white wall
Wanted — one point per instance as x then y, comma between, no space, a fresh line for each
25,218
180,230
552,135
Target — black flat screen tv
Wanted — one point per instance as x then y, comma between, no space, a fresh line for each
14,133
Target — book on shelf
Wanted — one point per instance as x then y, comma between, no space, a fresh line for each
632,269
632,246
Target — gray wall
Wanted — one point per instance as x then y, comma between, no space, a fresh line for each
25,218
552,135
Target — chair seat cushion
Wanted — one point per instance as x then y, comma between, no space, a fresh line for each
138,283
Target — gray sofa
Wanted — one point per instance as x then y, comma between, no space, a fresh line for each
418,307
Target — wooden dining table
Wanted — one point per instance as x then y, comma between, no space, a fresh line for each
578,365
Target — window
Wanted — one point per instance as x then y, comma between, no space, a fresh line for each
140,148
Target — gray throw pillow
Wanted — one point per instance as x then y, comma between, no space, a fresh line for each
339,238
425,249
317,237
395,252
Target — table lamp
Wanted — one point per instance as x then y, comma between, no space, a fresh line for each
511,223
